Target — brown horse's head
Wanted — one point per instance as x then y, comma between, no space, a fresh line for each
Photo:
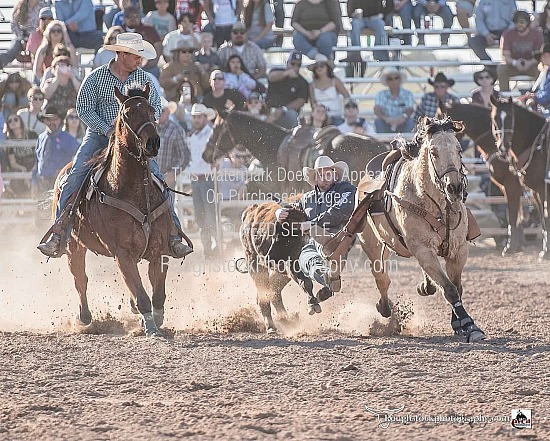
136,122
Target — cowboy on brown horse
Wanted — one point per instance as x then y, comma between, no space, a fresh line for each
98,107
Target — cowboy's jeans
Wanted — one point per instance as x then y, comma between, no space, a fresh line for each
72,181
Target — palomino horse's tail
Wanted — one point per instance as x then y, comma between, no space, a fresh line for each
56,190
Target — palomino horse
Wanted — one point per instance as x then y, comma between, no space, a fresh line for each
108,223
427,219
285,152
477,125
523,138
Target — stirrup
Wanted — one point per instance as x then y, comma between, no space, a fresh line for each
179,250
53,247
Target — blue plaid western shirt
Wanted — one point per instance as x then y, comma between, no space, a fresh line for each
96,103
430,103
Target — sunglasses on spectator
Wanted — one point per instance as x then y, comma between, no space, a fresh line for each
46,18
37,98
56,31
219,78
441,86
393,78
186,51
10,120
238,32
484,77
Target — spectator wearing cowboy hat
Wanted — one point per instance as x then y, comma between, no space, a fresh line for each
328,206
485,79
518,45
540,93
98,108
202,178
394,106
327,89
180,67
287,92
430,101
54,149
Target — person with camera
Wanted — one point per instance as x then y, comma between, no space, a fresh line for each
181,67
352,123
518,46
62,88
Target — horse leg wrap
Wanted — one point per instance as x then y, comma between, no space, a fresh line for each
149,325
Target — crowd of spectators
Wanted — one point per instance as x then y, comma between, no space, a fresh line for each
222,64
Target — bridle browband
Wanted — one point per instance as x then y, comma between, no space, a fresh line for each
139,144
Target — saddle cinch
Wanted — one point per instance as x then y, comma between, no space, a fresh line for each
371,195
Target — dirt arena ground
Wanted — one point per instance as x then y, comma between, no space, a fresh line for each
217,376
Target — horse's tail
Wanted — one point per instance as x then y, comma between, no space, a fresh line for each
56,190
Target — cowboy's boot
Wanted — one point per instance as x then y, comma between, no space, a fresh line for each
178,249
52,247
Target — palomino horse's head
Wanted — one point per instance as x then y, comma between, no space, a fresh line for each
136,123
502,123
444,155
220,143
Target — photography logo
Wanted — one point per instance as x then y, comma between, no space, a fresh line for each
521,419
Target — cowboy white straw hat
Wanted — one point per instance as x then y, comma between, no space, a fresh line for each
340,167
133,43
201,109
392,72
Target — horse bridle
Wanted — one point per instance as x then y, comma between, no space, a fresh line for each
501,132
139,144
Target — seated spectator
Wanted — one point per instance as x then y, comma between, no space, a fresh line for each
206,55
54,149
29,115
132,23
368,14
24,21
180,68
430,101
327,89
103,55
55,33
251,54
486,80
543,21
222,14
403,8
352,123
192,7
236,76
258,18
21,159
394,106
13,93
182,115
45,16
255,106
287,92
540,94
62,88
517,47
316,26
79,16
173,152
221,99
118,19
74,126
161,19
60,50
433,7
492,18
319,117
465,10
184,32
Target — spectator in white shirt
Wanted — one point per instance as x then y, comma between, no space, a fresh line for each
352,123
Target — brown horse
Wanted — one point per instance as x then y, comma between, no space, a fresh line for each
107,223
477,123
285,152
523,138
427,219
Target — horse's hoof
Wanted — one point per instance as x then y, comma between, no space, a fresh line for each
314,309
158,315
133,307
385,311
150,327
85,317
509,250
421,290
154,334
271,330
474,336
